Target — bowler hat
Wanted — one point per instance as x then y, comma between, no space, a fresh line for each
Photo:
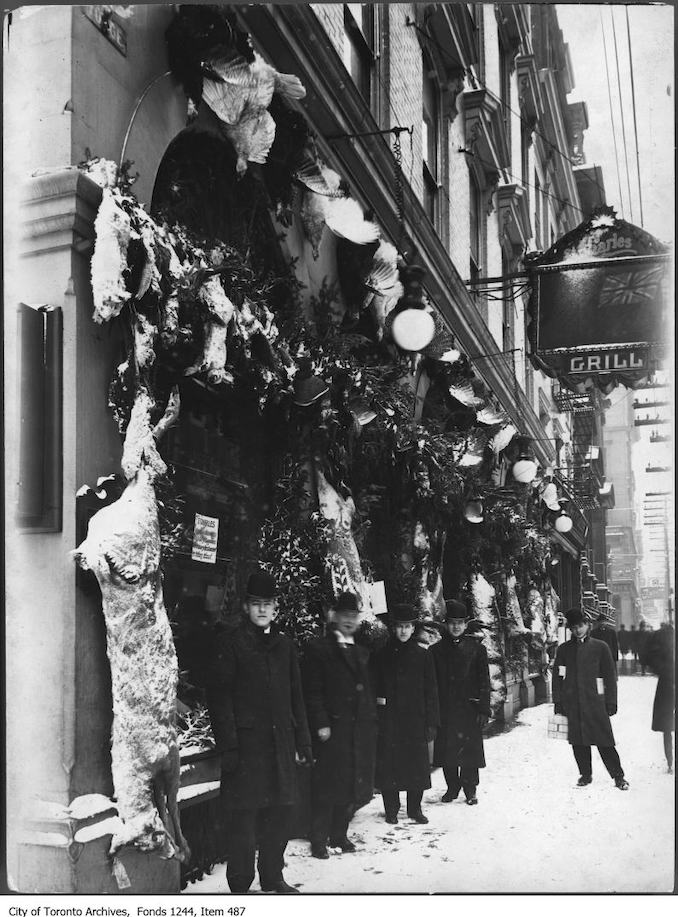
347,601
456,609
402,614
262,585
575,616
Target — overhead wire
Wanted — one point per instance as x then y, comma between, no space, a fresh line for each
621,110
635,122
609,95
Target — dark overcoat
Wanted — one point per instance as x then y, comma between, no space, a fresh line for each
463,680
256,707
407,707
585,686
339,694
607,635
658,654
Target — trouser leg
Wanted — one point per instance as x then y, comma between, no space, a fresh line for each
391,801
321,819
273,837
582,755
241,849
611,761
469,780
341,816
452,779
668,748
414,798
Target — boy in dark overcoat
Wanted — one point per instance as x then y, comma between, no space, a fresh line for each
585,691
258,717
343,719
407,708
464,691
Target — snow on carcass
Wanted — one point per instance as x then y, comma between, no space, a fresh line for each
122,549
113,231
342,559
514,613
483,601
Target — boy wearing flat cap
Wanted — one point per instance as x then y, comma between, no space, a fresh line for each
585,691
407,706
342,715
464,691
259,722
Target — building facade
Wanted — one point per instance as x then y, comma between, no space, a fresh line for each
449,123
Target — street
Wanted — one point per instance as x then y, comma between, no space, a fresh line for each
533,830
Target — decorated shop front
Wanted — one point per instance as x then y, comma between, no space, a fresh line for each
286,395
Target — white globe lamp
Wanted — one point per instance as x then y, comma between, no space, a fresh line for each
413,329
563,523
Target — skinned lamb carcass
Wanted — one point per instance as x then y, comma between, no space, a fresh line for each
516,626
122,549
220,312
551,603
113,231
343,559
430,601
535,604
483,601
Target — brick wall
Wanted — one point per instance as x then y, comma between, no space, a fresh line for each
331,15
405,81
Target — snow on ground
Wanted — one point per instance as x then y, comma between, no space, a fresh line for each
533,830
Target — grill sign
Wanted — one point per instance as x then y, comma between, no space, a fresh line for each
599,301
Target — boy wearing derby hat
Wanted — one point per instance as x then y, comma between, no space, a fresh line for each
253,696
407,705
342,715
464,691
585,691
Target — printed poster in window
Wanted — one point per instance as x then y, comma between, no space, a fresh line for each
205,536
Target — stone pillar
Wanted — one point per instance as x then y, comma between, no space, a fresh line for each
58,680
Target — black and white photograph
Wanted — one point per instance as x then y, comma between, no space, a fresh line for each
338,425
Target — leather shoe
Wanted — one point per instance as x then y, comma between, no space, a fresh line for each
319,851
419,817
584,781
621,783
472,800
281,888
344,845
449,796
391,819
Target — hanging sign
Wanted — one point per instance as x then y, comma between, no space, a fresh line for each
205,537
599,302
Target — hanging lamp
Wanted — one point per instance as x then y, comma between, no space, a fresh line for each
412,325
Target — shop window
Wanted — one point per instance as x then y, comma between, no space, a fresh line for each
430,129
360,46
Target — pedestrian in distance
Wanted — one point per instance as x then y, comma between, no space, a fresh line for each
623,640
256,707
658,656
585,691
463,678
407,711
633,642
343,719
602,631
641,642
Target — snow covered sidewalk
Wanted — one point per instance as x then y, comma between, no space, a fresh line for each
533,830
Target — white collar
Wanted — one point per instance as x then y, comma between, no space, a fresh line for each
342,639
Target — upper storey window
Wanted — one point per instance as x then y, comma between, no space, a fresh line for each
430,128
360,46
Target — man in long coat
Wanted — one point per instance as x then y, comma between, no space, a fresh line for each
658,654
464,691
258,717
407,707
585,691
343,719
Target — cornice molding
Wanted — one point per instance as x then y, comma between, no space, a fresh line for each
514,216
484,130
529,92
58,212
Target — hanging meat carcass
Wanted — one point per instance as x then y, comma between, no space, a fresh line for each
485,612
516,625
427,552
122,549
343,559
